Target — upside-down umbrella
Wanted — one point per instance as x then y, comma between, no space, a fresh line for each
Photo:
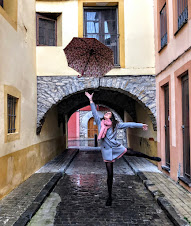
89,57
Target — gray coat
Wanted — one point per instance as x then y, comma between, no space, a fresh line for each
110,147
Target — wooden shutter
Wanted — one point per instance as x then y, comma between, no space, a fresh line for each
46,30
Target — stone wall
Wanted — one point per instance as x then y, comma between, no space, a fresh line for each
54,90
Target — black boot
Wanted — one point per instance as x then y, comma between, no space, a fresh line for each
109,201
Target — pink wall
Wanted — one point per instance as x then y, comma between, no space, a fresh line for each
171,63
73,126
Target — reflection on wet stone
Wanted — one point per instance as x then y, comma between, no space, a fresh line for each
83,195
83,202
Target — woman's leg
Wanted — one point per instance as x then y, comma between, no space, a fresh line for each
109,167
131,152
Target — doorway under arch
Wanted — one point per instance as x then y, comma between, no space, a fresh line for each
92,128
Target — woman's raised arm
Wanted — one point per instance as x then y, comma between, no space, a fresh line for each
93,108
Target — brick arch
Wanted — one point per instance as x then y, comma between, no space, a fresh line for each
51,90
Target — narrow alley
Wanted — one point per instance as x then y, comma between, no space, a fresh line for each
81,193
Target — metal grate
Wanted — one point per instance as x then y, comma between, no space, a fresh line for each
182,8
11,110
163,26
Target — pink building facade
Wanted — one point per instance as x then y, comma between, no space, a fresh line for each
173,84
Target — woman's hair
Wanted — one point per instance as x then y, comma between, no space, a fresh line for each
114,121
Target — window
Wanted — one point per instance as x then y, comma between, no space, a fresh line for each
47,29
12,113
1,3
163,26
182,8
185,127
11,116
101,23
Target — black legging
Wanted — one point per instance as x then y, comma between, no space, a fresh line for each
109,167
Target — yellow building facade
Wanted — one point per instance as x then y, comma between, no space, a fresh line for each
135,45
22,152
136,36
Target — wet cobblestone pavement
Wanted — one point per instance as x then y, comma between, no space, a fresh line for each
82,194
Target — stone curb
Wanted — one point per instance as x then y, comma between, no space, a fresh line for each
39,200
160,197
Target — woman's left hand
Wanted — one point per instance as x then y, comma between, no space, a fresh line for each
89,96
145,127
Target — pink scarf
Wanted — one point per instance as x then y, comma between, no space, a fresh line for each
105,125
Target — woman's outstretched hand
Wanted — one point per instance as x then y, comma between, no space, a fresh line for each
145,127
89,96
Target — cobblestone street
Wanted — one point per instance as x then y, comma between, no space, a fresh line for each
79,197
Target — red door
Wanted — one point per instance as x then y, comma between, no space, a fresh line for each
92,129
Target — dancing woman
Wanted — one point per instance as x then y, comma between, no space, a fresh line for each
111,149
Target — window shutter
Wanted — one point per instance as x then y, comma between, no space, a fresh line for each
46,31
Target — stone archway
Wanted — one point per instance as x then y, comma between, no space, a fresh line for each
52,90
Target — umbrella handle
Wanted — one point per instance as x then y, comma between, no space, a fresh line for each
79,76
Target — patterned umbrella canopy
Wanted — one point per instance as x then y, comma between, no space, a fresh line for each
89,57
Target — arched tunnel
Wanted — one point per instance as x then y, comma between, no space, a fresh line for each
112,99
127,106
